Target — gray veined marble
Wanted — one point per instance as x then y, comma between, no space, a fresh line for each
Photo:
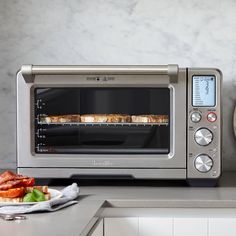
189,33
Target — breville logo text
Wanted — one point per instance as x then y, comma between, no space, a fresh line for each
102,163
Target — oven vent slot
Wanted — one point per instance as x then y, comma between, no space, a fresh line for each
103,176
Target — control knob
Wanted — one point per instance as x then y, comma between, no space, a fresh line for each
196,117
203,137
211,117
203,163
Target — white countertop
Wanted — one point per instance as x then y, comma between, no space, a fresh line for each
95,200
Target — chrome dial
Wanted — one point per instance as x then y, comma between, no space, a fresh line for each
212,117
196,117
203,137
203,163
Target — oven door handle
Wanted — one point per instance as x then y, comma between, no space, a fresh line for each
29,71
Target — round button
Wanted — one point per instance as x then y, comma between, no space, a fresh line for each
203,163
196,117
212,117
203,137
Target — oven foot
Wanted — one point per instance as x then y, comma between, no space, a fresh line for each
202,182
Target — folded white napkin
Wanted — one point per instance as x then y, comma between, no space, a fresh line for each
69,193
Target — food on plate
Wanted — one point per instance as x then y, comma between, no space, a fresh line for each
34,196
61,119
26,182
43,189
29,197
105,118
15,188
150,119
8,175
12,193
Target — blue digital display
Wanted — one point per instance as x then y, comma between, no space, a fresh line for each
204,91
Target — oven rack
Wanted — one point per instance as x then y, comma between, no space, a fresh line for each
102,124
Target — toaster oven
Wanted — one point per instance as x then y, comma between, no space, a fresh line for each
129,122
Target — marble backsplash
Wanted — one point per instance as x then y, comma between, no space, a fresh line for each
193,33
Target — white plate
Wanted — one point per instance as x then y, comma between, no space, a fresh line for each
55,194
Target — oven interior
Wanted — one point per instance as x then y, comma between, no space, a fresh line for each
101,137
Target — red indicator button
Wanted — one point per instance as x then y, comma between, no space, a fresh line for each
212,117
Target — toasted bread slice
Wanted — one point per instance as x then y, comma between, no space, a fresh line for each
61,119
13,200
94,118
118,118
105,118
47,196
150,119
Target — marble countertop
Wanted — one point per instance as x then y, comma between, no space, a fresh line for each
98,201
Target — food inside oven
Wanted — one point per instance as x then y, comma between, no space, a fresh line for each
102,120
105,118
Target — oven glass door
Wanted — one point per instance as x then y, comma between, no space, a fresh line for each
102,120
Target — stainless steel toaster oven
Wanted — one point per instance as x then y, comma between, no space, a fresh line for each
134,122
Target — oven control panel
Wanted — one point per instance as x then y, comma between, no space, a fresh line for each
204,124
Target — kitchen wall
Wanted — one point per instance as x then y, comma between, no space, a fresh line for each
190,33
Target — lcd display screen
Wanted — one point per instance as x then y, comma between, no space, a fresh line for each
204,91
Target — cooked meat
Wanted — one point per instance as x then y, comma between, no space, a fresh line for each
27,182
9,175
9,184
12,193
